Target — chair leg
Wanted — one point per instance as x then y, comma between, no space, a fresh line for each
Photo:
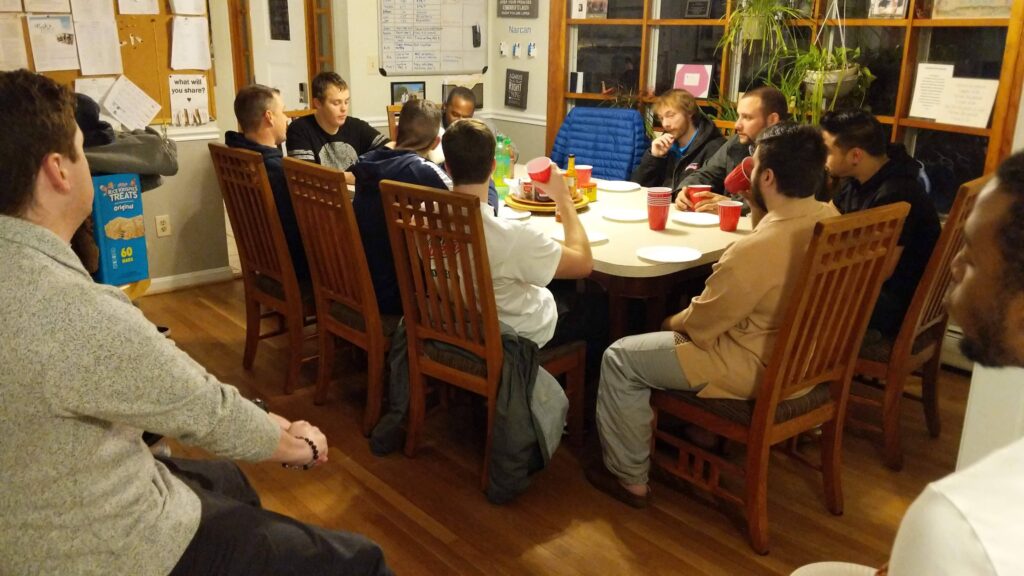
485,473
756,501
374,385
252,331
892,452
323,379
832,465
417,409
930,394
294,352
575,383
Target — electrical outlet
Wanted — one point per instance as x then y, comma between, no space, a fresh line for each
163,225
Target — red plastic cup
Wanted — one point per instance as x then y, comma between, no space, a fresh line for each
693,191
583,172
658,201
657,216
539,169
729,215
739,179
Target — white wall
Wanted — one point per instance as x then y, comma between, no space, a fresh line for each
371,92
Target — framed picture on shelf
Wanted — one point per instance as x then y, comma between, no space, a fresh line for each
972,8
402,92
888,9
596,8
697,9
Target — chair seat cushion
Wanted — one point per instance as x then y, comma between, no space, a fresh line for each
274,288
877,347
353,319
472,364
742,411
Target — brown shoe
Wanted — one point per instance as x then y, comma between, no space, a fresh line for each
606,482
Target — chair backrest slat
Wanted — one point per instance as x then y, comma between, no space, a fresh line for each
829,309
262,248
330,235
442,267
927,310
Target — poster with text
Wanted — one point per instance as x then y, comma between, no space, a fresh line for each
190,100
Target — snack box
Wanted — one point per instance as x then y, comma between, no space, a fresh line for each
119,229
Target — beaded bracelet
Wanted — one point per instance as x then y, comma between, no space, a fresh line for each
311,463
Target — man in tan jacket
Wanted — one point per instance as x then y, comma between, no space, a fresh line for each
720,343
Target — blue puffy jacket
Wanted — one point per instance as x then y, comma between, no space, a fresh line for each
612,140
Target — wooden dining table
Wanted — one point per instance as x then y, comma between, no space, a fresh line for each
626,276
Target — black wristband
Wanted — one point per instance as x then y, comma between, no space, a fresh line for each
311,463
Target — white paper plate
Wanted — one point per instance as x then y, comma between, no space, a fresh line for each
668,254
513,214
615,185
834,569
626,215
594,236
696,218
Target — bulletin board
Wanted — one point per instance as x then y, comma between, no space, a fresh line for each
432,37
145,54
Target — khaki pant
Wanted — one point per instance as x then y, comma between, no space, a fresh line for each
631,367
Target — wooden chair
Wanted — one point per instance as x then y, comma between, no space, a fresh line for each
814,352
345,302
917,347
393,111
267,270
450,300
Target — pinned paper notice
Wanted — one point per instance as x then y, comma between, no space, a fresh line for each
97,89
53,43
928,87
195,7
47,6
138,7
12,43
99,50
91,10
190,100
10,6
130,105
190,44
967,102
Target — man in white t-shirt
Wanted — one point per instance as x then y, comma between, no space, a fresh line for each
523,259
970,522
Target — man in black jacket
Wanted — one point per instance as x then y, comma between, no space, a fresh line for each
757,109
688,140
874,176
260,113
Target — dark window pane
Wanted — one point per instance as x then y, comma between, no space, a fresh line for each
753,68
949,159
608,55
881,50
686,45
974,52
675,9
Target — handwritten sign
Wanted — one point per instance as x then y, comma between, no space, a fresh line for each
517,83
517,8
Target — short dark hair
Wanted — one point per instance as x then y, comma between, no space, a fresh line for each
468,146
250,104
418,125
462,93
795,153
1011,234
325,79
855,129
38,118
772,100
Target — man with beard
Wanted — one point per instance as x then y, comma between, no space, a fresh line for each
757,109
688,141
969,521
875,175
732,323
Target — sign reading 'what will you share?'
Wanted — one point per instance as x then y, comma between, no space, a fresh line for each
432,37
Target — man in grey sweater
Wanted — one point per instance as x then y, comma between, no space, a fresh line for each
82,373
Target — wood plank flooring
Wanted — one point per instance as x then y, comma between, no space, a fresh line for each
430,517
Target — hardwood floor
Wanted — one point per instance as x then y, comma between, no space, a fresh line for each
430,517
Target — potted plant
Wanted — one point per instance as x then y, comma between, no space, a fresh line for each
760,23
